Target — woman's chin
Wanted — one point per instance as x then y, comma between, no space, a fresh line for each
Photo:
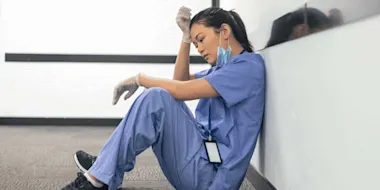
211,62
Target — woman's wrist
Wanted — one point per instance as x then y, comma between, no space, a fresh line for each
138,79
186,38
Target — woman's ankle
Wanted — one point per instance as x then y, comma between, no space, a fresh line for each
95,182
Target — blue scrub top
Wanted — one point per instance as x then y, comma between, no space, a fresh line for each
236,115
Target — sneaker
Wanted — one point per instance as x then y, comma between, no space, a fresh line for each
81,183
84,161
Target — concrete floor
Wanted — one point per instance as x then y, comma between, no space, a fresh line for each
41,158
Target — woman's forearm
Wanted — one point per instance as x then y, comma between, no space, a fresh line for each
172,86
180,90
181,68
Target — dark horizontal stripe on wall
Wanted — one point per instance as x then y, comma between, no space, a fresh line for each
40,121
215,3
257,180
96,58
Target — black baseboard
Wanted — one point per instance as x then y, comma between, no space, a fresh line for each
97,58
48,121
258,181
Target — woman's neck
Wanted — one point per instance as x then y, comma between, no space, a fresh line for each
236,49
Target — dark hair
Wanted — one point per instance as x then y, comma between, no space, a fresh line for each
215,17
335,17
282,27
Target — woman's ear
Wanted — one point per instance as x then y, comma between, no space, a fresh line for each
225,31
299,31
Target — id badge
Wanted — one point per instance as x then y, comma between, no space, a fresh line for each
213,152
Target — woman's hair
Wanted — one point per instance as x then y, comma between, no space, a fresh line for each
215,17
283,27
335,17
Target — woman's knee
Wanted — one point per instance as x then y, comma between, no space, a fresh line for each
158,97
157,92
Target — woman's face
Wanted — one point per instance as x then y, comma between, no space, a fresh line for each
206,40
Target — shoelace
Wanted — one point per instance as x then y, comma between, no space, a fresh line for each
77,182
92,158
89,157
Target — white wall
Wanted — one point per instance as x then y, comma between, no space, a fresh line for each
69,89
88,27
321,125
247,10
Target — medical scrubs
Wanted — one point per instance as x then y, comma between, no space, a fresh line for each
157,120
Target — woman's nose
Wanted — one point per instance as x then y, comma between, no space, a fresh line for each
200,50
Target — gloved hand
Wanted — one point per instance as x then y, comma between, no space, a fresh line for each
131,85
183,20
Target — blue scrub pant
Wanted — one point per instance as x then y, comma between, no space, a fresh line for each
156,119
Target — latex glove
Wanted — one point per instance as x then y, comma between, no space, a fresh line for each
183,20
131,85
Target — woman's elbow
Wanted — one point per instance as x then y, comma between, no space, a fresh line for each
194,89
189,94
182,95
181,92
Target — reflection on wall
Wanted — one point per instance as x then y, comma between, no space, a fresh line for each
346,11
297,24
319,15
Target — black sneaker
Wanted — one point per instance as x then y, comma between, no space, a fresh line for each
83,160
81,183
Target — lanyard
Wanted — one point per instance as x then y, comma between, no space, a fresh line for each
209,121
209,114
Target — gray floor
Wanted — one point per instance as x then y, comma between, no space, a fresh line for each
40,158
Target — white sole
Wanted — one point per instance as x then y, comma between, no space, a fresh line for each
80,167
83,170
